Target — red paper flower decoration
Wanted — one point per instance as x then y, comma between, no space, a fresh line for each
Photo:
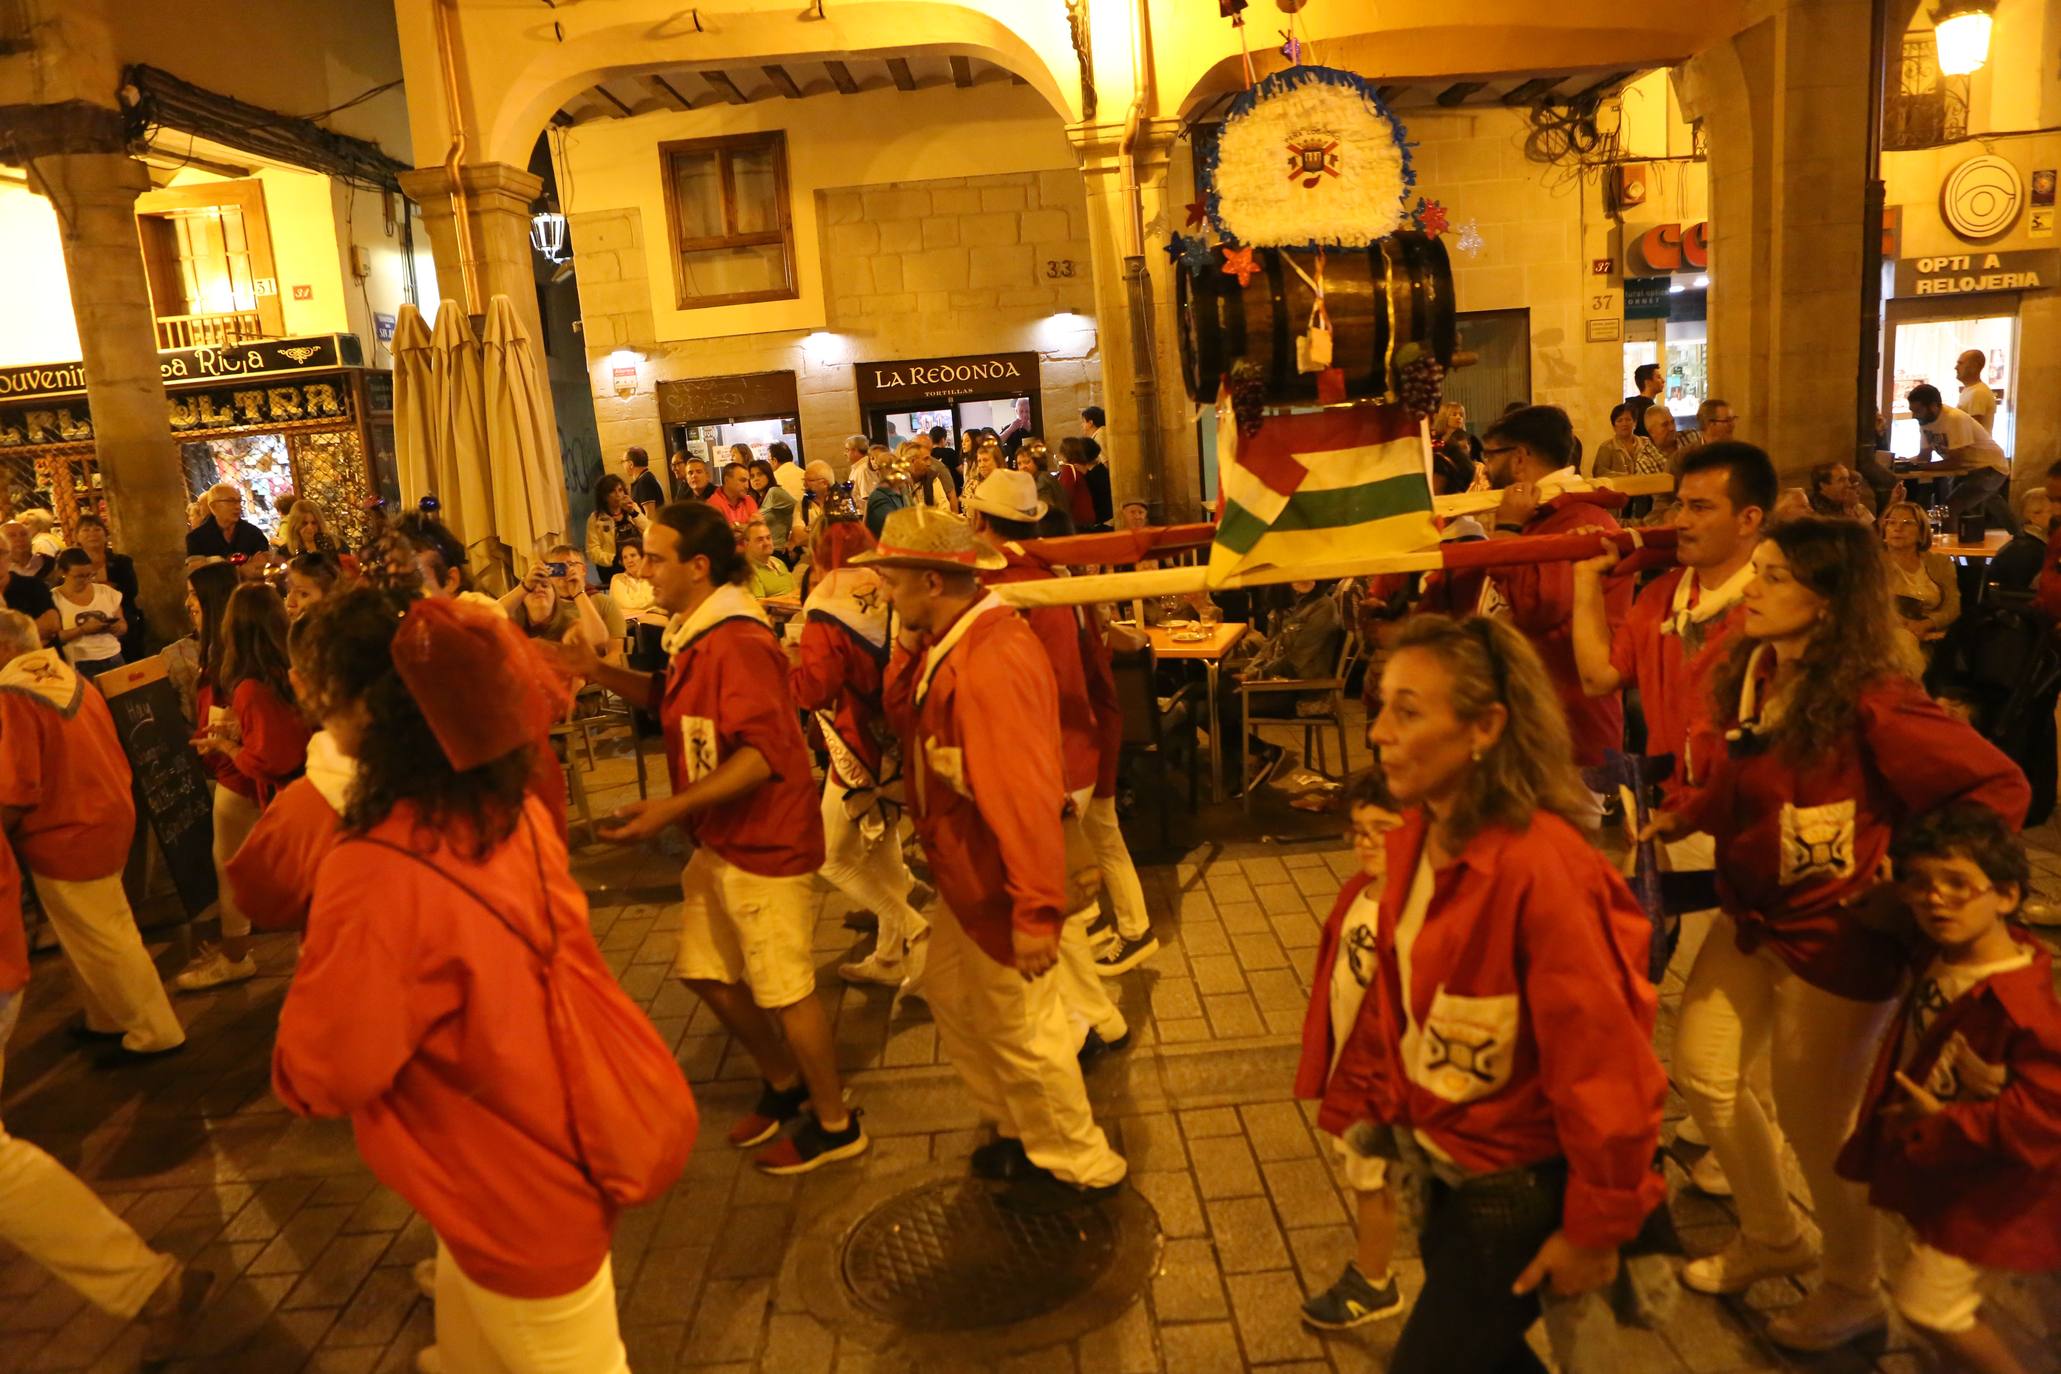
1431,216
1238,263
1196,210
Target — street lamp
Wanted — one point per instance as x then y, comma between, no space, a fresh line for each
547,232
1960,31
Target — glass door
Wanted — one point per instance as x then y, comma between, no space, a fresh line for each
1924,346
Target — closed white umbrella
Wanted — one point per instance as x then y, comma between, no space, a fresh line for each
414,402
459,428
528,474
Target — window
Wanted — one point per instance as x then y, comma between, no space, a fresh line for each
726,204
1926,338
207,249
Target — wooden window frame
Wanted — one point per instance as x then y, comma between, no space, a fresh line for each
247,195
776,139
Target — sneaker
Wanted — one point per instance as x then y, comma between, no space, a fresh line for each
1002,1159
425,1274
168,1313
1041,1193
1742,1264
886,973
1689,1133
1706,1175
1095,1046
428,1361
213,969
912,966
775,1109
1352,1301
811,1147
1827,1318
1124,955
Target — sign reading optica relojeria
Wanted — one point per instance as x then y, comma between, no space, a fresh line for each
1968,274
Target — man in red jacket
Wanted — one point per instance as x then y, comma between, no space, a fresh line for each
970,691
1530,456
64,799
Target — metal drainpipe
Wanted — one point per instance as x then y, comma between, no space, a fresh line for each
1867,381
1137,280
461,212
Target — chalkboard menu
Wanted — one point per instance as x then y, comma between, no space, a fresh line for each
171,785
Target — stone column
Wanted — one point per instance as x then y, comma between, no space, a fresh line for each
95,197
1784,104
1171,484
497,209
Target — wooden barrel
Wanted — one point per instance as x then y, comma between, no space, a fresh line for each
1397,291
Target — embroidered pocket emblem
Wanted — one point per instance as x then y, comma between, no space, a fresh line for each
1467,1044
697,747
1817,842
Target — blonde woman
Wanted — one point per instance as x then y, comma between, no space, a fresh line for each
1922,584
306,530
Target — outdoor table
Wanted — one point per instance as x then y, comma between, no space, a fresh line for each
1210,654
1992,541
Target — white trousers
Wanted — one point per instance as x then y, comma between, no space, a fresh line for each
870,872
1081,987
48,1214
479,1332
118,985
235,817
1739,1009
1015,1051
1119,874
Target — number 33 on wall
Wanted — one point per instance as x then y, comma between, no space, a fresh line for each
1058,268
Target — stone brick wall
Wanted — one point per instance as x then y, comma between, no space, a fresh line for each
912,269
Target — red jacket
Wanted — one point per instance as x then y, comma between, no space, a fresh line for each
273,871
422,1019
1343,1091
14,938
1532,961
843,656
62,765
1674,684
275,740
976,712
1058,628
1541,597
1799,849
726,690
1100,670
1981,1179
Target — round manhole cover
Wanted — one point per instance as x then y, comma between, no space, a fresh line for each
946,1257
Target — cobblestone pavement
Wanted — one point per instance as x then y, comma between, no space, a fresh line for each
313,1257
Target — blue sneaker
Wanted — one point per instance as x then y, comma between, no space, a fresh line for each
1352,1301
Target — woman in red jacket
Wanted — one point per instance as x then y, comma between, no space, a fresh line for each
419,1010
254,741
1830,745
1513,1013
843,653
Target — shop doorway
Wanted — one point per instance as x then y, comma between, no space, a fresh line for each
1682,348
1925,340
899,400
1501,343
706,417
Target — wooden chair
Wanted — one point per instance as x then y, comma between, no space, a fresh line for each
1146,724
1278,701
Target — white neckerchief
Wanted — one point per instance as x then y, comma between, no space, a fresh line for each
330,769
934,656
1750,704
1712,603
44,675
727,602
1561,481
854,598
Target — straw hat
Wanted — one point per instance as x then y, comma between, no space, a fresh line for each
1010,494
927,537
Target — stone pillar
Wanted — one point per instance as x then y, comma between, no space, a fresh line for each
95,196
1784,104
497,209
1171,484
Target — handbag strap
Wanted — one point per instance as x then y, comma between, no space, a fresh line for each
546,957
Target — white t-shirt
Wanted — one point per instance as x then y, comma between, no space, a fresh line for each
789,476
1979,403
90,648
1954,430
1355,966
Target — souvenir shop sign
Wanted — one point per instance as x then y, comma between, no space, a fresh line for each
985,374
185,365
744,396
190,410
1969,274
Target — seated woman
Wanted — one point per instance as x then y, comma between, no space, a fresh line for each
615,520
1303,643
2017,565
1923,585
777,507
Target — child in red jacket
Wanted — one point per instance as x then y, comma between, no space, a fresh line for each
1337,1057
1961,1135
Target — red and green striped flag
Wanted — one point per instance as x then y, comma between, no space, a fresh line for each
1321,487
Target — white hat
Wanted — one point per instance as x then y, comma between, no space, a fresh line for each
1008,494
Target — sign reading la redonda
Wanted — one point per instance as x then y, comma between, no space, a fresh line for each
1008,373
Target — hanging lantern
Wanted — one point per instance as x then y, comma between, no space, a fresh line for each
547,232
1960,32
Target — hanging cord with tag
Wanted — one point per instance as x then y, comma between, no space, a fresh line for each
1313,349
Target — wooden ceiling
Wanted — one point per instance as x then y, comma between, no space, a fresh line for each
740,83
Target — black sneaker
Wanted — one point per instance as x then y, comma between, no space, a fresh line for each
1124,955
1094,1047
1002,1159
811,1147
774,1110
1352,1301
1044,1194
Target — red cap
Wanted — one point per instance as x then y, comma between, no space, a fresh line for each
469,670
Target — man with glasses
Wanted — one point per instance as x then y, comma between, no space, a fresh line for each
227,533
